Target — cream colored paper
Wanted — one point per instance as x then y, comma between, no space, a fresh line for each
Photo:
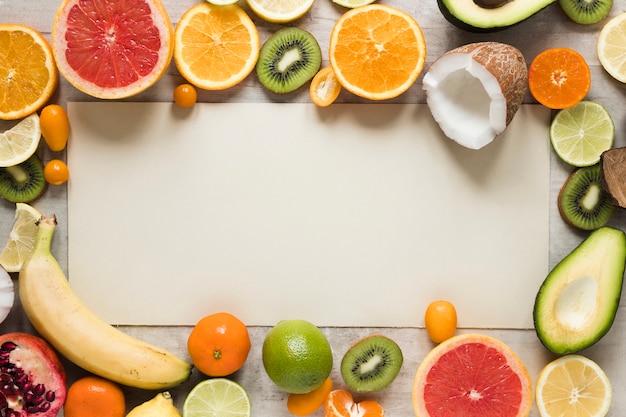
352,215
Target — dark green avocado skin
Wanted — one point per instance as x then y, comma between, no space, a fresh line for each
459,23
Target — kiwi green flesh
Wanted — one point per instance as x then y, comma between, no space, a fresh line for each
578,300
24,182
288,59
583,203
586,12
371,364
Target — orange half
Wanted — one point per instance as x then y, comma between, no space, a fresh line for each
377,51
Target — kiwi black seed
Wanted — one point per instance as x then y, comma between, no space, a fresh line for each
586,12
582,201
371,364
288,59
24,182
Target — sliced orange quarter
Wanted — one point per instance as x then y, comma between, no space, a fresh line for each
377,51
559,78
216,47
28,73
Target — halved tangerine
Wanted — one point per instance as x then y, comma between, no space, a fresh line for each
112,49
472,375
559,78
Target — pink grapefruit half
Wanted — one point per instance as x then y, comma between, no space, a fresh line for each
112,49
472,375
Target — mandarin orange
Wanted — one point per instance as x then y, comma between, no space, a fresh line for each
93,396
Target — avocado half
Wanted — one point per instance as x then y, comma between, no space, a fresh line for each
577,302
489,15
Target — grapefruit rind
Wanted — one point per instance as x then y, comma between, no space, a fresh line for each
512,361
160,20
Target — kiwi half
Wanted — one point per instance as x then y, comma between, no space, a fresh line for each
586,12
582,201
24,182
371,364
288,59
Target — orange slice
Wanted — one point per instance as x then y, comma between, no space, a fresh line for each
28,74
472,375
216,46
559,78
377,51
112,49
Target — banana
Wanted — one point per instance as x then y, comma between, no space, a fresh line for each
57,313
161,405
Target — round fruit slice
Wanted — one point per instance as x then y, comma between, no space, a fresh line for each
573,385
216,46
377,51
280,11
27,80
217,397
112,49
612,47
581,133
20,142
472,375
21,239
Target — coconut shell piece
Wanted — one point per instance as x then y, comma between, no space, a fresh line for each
613,168
475,90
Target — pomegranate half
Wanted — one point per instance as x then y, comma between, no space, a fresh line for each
32,377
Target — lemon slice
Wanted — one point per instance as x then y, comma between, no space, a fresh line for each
222,2
280,11
579,134
611,47
217,397
351,4
573,385
20,142
21,239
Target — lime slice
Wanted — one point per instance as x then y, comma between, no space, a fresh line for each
579,134
20,142
217,397
612,47
21,239
351,4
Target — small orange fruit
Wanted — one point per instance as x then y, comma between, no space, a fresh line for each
56,172
305,404
93,396
440,320
55,127
185,95
324,88
377,51
559,78
219,344
341,404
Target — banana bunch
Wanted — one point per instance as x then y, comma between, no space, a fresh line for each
161,405
77,333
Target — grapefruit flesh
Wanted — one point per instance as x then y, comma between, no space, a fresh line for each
112,49
472,375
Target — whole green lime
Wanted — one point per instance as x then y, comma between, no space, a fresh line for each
297,356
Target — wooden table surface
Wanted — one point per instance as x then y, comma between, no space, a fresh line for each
548,28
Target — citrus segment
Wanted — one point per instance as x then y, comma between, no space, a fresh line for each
216,46
377,51
28,74
217,397
20,142
112,49
559,78
340,403
21,238
573,385
579,134
324,88
472,375
280,11
612,47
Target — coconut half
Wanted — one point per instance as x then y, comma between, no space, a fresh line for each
474,91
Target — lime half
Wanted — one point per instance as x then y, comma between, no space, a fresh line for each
217,397
579,134
351,4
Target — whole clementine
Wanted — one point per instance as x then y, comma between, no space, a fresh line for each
219,344
93,396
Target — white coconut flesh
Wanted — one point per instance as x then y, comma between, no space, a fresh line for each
7,294
471,102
